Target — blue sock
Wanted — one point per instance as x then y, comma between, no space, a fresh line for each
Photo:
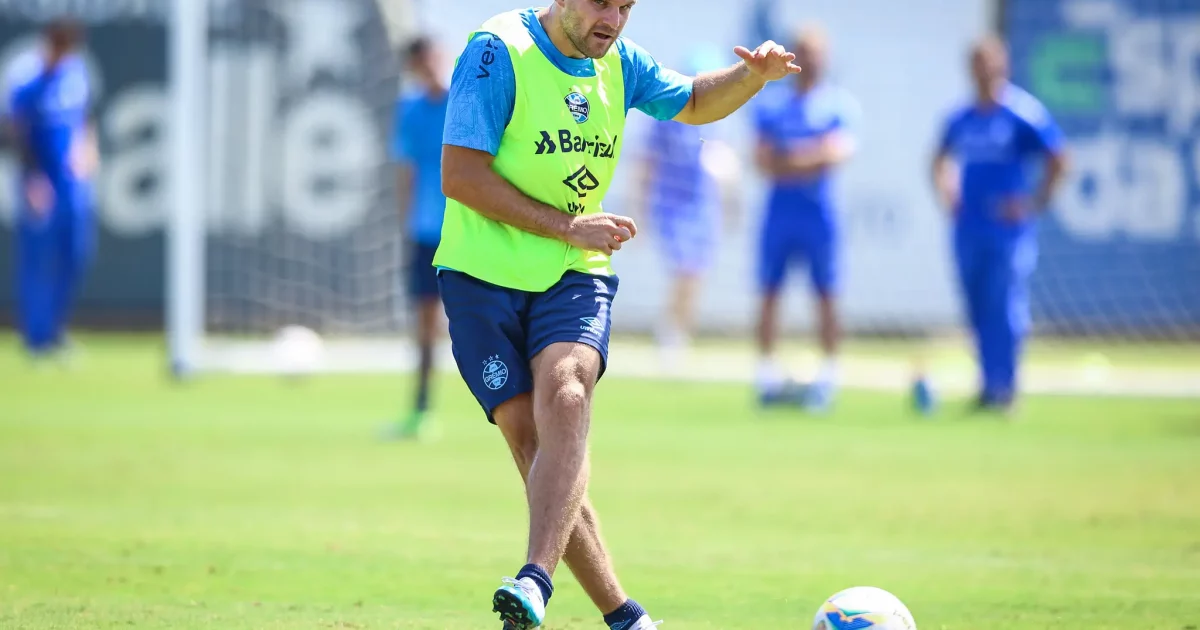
540,577
624,616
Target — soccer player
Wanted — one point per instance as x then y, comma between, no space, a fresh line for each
56,150
538,103
981,176
687,177
417,148
804,134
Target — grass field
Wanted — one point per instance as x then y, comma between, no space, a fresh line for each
130,502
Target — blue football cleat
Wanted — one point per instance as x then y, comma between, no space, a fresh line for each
520,604
819,397
787,393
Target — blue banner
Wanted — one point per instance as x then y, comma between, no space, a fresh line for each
1121,248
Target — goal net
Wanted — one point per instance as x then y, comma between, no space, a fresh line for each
285,205
1121,251
284,200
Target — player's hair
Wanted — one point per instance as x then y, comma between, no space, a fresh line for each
813,33
990,42
64,33
417,47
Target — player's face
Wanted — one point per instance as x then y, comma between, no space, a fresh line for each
427,66
60,44
810,55
594,25
989,64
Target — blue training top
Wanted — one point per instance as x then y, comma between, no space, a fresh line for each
481,107
995,150
50,106
417,142
785,117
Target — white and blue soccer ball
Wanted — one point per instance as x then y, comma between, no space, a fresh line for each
863,608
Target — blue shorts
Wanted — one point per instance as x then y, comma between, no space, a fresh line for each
789,240
495,331
422,275
688,239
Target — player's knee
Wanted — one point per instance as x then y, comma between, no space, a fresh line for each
570,397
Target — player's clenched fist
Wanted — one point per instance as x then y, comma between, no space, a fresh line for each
601,232
769,61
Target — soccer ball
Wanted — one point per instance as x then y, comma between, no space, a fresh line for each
298,350
863,608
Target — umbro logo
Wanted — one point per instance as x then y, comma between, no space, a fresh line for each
594,325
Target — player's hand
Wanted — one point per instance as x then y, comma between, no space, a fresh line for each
1015,209
770,61
39,194
948,197
600,232
84,159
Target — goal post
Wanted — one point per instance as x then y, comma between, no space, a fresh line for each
188,51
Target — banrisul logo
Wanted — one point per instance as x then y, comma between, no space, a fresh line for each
568,142
579,107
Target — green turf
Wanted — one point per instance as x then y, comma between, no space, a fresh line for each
127,502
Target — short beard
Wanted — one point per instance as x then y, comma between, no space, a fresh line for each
571,28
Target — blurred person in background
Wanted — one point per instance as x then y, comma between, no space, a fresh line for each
982,176
687,178
49,129
805,132
420,116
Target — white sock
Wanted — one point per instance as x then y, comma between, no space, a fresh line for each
669,336
769,375
828,372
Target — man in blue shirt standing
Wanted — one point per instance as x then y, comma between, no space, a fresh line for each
420,116
805,132
994,202
48,108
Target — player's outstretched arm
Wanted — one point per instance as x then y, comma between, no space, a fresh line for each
718,94
468,178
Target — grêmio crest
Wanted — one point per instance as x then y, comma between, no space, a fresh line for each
579,107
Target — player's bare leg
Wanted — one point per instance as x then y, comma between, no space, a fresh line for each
558,370
675,335
770,379
585,554
830,328
683,297
565,375
820,393
429,317
428,323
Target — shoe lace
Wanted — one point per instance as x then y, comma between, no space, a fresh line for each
644,623
524,586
